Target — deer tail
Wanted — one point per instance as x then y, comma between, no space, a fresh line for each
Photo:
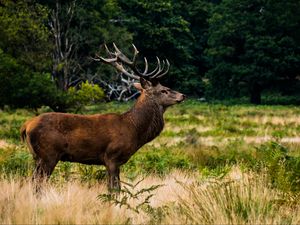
23,132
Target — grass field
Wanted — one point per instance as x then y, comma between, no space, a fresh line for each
213,164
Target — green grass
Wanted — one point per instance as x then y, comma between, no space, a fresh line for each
206,141
208,138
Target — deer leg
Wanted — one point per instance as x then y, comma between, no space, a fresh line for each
42,172
113,178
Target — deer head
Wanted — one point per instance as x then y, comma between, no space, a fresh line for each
149,84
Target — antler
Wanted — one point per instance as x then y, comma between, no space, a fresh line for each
118,59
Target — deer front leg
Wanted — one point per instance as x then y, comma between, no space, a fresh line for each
113,178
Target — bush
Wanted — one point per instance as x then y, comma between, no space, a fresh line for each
21,87
283,169
10,128
15,161
85,95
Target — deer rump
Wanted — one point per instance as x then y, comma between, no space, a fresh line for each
93,139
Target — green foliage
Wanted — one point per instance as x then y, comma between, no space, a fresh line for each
130,192
10,128
86,28
24,56
211,153
283,169
85,95
174,27
250,54
15,162
21,87
279,99
26,49
24,35
211,49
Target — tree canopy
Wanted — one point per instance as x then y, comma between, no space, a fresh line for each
217,49
252,46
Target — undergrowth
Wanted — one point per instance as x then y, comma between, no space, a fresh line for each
211,140
137,200
283,168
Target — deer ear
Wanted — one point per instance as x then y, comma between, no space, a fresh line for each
138,86
154,82
145,83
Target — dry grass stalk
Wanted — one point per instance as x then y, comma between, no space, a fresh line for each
239,198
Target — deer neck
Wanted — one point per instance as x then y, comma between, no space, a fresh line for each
147,118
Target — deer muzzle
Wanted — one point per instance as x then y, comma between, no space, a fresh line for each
180,98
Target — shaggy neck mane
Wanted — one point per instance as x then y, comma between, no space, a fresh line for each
147,118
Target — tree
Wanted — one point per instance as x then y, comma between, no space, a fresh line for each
159,29
196,13
78,29
252,46
23,34
21,87
24,56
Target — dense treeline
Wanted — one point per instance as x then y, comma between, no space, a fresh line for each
217,49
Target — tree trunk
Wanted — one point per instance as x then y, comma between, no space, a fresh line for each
58,77
255,94
63,43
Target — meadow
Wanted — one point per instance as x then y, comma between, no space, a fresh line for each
212,164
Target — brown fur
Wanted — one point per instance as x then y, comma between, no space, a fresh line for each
100,139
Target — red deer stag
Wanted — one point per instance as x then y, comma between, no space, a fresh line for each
103,139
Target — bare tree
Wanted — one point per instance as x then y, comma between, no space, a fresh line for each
64,45
121,89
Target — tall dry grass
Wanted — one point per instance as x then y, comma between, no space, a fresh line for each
238,198
69,203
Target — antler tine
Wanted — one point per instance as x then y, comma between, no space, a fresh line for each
121,56
146,66
163,65
107,50
124,59
109,61
155,70
168,68
159,69
119,60
117,50
122,69
136,52
115,61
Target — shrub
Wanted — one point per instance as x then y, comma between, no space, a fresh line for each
15,161
10,128
283,169
21,87
85,95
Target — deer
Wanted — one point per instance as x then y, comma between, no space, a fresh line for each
103,139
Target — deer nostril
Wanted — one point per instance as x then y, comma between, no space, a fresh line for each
183,96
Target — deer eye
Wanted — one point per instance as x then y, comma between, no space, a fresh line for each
164,91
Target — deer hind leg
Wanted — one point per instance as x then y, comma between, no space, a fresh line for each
113,178
42,172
